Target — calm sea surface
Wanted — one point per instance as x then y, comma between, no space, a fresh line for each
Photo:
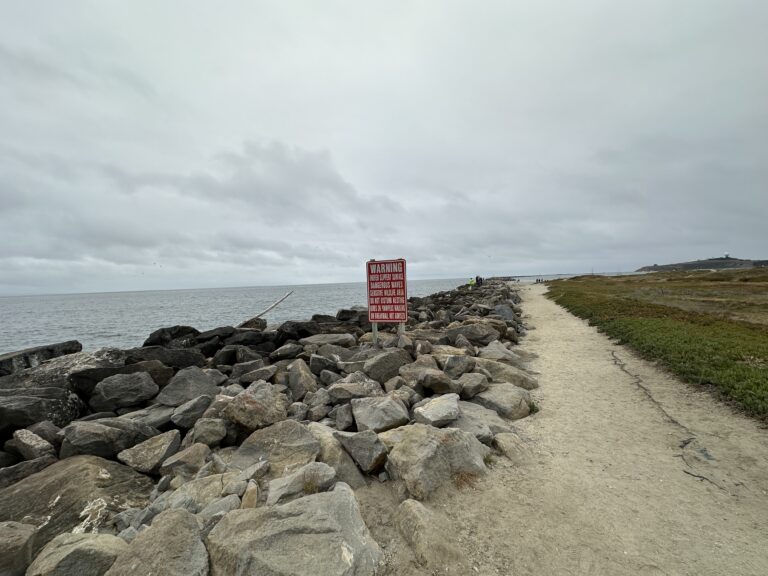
125,319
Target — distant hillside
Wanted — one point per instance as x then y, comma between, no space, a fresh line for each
723,263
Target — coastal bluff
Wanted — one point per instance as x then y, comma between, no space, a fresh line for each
255,449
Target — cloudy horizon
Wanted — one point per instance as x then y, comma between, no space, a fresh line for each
162,145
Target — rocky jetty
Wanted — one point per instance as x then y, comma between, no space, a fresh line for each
239,450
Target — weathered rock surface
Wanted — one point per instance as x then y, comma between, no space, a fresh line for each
77,555
209,431
429,535
175,358
472,384
510,444
438,382
318,535
506,399
11,362
480,334
300,379
20,407
11,474
500,353
425,458
439,411
481,422
187,414
104,437
356,385
379,413
258,406
123,390
286,445
84,381
456,365
170,546
386,365
31,446
505,373
186,385
334,454
77,493
16,541
344,340
186,463
147,456
365,448
309,479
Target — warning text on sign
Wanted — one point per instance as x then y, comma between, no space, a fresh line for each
387,291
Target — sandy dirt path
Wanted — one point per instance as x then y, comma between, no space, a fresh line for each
629,471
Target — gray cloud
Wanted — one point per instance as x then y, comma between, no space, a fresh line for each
289,143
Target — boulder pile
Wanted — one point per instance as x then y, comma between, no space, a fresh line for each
239,450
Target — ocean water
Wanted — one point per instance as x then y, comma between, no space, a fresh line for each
125,319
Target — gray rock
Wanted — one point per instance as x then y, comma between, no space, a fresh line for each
187,384
456,365
220,507
334,454
505,373
356,385
344,417
16,472
186,463
438,382
147,456
425,457
244,368
300,379
265,374
105,437
365,448
16,552
286,352
170,546
386,365
11,362
31,446
319,363
185,415
286,445
319,535
176,358
20,407
232,390
218,378
439,411
500,353
328,377
259,406
298,411
309,479
318,413
430,536
236,487
394,383
379,413
510,444
472,384
479,333
77,494
123,390
209,431
194,495
155,415
48,431
77,555
481,422
250,497
344,340
506,399
84,381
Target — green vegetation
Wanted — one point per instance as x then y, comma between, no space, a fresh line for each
709,328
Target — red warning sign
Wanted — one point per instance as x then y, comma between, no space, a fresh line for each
387,291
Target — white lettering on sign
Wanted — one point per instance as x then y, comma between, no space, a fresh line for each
387,291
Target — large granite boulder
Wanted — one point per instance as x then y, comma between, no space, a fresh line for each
318,535
379,413
309,479
104,437
84,381
260,405
506,399
344,340
122,390
439,411
300,379
334,454
386,365
356,385
77,555
365,448
77,494
171,546
479,421
147,456
16,541
187,385
478,333
425,457
164,336
501,372
11,362
11,474
286,445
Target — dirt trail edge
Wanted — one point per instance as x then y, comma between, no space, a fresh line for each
629,470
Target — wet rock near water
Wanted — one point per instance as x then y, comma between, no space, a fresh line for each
238,450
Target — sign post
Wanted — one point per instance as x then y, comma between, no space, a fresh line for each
387,294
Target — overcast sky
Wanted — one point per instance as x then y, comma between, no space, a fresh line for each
177,144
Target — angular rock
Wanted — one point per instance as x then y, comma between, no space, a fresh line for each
251,495
439,411
155,415
259,406
84,381
429,535
187,414
186,463
48,431
480,334
322,534
77,494
425,457
298,411
344,417
186,385
31,446
77,554
209,431
386,365
379,413
104,437
21,407
472,384
286,352
195,495
218,508
286,445
175,358
505,373
309,479
319,363
506,399
265,374
300,379
123,390
328,377
481,422
11,362
242,368
334,454
365,448
500,353
438,382
455,366
13,474
344,340
163,336
170,546
147,456
356,385
15,547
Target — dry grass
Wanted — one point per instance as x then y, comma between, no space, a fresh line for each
465,480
